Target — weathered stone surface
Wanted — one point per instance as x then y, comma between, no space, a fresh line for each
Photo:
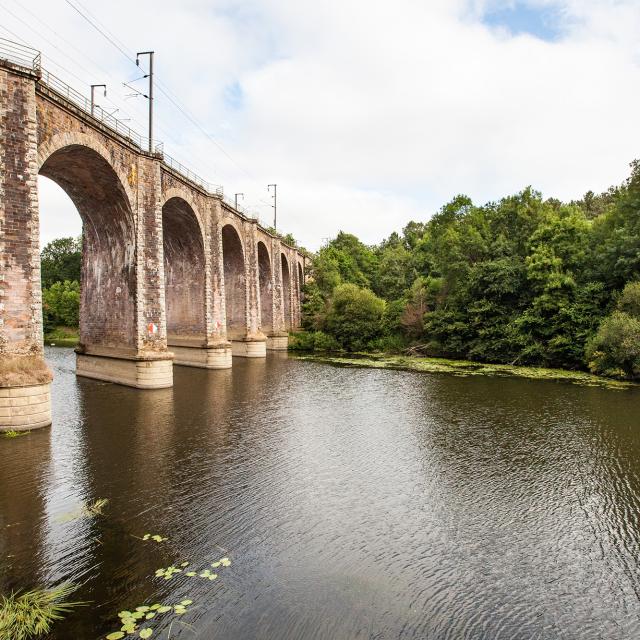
25,408
164,262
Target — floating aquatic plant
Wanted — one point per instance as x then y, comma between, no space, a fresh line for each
131,620
85,511
96,508
167,573
14,434
31,614
155,538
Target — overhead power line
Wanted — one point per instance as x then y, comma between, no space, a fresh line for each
97,28
164,89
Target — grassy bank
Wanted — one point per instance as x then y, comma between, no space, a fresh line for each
62,337
463,368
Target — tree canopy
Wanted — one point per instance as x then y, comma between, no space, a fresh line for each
522,280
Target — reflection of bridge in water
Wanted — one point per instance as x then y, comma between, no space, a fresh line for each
170,271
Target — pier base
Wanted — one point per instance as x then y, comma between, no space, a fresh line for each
204,357
25,408
249,348
278,342
153,371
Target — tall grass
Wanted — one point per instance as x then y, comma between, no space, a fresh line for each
32,613
18,371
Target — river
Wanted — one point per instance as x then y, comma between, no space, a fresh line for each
351,503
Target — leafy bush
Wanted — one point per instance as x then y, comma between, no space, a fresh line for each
61,304
354,317
629,301
615,349
392,343
312,341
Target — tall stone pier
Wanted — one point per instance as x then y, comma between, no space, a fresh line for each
171,274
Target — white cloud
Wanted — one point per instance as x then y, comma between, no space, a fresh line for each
368,114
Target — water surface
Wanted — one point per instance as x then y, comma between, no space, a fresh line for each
353,503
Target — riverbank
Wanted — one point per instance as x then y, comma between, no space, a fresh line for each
464,368
62,337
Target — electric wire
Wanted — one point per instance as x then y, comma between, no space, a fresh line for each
160,85
120,47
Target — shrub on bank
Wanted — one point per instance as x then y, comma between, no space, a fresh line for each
388,344
355,317
312,341
615,349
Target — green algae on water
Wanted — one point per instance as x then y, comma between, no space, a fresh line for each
466,368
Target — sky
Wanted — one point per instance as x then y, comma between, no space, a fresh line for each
367,114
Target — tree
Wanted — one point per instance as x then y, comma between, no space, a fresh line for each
354,317
615,349
61,260
61,305
522,279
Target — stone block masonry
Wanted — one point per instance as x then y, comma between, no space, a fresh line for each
168,269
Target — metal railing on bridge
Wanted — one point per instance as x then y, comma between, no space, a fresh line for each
31,59
20,54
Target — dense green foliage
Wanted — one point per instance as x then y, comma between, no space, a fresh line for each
60,263
61,305
61,260
615,349
523,280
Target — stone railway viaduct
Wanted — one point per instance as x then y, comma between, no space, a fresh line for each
170,272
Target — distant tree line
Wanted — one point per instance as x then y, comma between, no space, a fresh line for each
523,280
60,264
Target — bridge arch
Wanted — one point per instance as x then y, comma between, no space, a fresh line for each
187,197
184,270
235,282
62,141
266,287
104,202
286,291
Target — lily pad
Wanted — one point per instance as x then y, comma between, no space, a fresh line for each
116,635
146,633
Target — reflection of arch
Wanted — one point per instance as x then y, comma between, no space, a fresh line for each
286,291
103,200
184,270
234,283
266,288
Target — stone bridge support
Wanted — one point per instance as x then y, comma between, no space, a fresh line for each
170,273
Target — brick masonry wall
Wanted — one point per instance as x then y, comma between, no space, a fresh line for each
119,193
20,297
184,270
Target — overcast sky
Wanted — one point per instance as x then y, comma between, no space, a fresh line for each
366,114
